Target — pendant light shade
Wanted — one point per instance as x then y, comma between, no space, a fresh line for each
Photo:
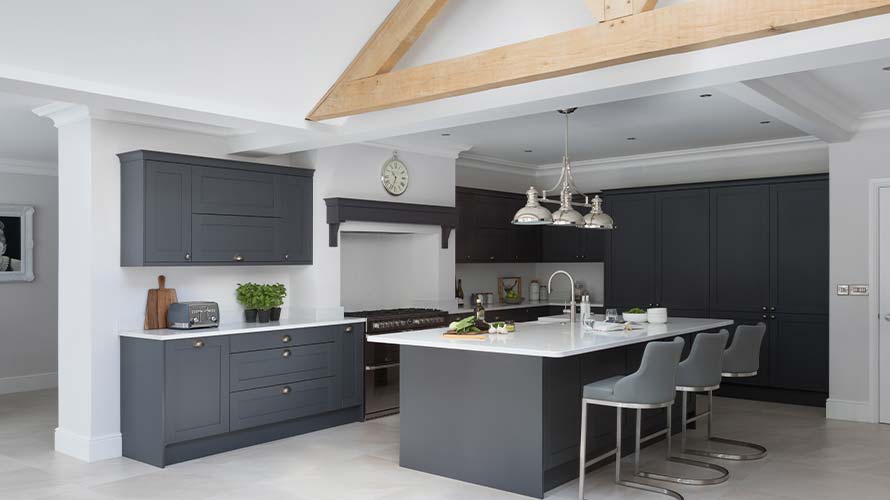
566,215
532,214
597,219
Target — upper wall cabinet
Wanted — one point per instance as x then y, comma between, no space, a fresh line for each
186,210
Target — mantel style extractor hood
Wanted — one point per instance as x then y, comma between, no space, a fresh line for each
341,210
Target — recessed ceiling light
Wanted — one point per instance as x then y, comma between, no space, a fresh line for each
631,138
705,96
446,134
528,150
886,69
765,122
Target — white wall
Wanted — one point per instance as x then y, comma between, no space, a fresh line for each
28,310
853,164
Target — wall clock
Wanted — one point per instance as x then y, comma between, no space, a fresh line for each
394,176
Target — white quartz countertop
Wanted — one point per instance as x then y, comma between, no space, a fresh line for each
235,328
524,304
552,339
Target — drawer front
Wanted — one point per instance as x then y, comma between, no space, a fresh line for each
285,338
225,191
278,403
237,240
250,370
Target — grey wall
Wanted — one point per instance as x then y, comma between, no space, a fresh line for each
28,311
852,165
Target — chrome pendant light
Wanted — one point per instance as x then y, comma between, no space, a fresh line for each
533,214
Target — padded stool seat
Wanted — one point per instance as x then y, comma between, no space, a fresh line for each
602,390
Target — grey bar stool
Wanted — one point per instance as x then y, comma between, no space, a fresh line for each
699,372
742,359
650,387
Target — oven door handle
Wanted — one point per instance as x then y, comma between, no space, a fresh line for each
371,368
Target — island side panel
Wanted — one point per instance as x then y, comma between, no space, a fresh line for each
473,416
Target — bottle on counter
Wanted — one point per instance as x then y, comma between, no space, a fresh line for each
479,310
459,294
585,307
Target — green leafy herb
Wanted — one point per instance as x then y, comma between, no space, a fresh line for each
636,310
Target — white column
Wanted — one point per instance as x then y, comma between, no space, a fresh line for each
83,432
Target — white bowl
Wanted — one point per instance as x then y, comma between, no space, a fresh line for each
657,315
635,317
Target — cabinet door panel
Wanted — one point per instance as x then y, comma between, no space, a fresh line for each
168,212
799,352
683,249
351,364
250,370
799,247
235,192
296,193
197,388
222,239
466,227
630,266
594,245
763,374
278,403
740,248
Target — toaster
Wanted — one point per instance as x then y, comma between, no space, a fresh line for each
190,315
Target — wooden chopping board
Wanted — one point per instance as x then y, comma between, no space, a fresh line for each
159,300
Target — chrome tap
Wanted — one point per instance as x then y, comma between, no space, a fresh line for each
571,291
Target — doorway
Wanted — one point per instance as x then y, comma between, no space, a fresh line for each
884,301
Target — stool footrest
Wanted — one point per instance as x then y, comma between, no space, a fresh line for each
758,454
722,478
650,488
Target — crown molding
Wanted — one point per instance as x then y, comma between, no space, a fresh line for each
63,113
794,144
26,167
492,164
450,152
875,120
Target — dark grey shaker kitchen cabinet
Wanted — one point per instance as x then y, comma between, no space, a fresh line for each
740,248
187,210
352,364
799,352
226,239
196,402
168,220
225,191
682,251
630,269
799,248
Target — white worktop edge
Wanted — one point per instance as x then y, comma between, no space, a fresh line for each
234,328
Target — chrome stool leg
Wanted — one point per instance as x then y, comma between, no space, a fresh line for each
634,484
724,473
759,452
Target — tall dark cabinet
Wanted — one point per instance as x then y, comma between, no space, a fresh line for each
751,251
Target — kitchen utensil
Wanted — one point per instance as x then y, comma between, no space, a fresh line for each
191,315
159,300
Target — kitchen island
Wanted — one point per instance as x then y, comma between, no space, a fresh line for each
506,412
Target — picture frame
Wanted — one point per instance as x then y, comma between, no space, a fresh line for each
509,283
16,243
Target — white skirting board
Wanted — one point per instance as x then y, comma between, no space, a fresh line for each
855,411
26,383
88,449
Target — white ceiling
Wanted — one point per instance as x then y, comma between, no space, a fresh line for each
25,136
667,122
865,85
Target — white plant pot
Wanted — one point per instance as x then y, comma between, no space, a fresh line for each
635,317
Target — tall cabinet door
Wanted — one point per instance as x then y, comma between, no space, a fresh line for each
799,248
196,388
740,263
682,250
297,199
168,212
630,269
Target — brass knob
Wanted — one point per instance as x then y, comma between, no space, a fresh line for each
772,316
285,353
285,339
286,256
348,329
764,316
773,308
188,256
285,390
198,344
239,258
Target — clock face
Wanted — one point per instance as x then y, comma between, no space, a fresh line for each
394,177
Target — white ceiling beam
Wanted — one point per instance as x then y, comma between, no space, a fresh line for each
803,102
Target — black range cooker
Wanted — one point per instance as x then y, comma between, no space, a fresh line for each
382,360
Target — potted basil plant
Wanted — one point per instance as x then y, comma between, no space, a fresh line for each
279,292
248,295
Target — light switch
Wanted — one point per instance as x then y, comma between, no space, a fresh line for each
858,289
843,289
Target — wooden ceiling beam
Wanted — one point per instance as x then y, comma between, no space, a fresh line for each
393,38
684,27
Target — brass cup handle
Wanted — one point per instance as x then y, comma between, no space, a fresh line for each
239,258
285,390
198,344
286,339
285,353
348,329
188,256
